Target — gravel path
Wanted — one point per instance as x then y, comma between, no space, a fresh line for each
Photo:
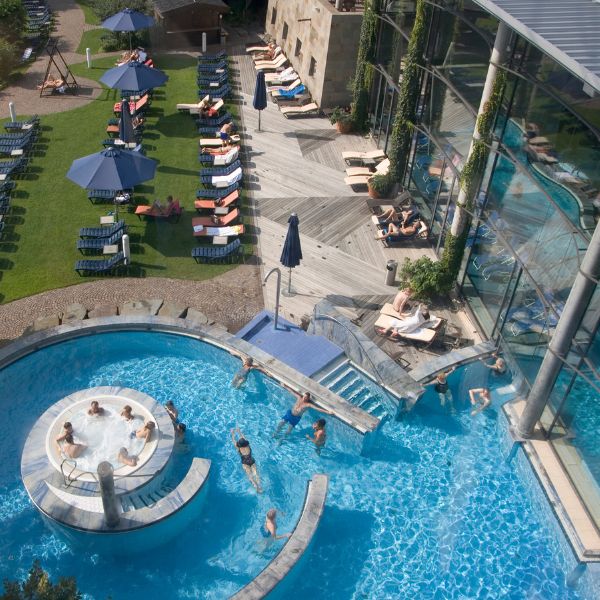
231,299
70,22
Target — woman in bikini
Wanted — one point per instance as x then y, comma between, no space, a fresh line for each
242,445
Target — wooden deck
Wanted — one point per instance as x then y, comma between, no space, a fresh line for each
295,165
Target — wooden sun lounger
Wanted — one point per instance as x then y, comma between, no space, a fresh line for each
291,111
388,311
287,88
272,65
351,156
425,335
216,142
381,169
223,221
206,204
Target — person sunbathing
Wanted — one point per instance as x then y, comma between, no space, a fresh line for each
391,215
407,325
273,52
394,230
51,83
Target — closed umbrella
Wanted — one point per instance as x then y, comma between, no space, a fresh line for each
126,133
291,254
128,20
133,76
260,95
111,169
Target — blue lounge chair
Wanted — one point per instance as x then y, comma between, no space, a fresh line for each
212,67
31,123
97,244
101,232
212,130
219,253
219,92
205,79
101,266
299,89
217,193
217,171
216,56
9,167
7,186
214,121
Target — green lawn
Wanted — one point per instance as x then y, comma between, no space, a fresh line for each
92,39
38,250
90,16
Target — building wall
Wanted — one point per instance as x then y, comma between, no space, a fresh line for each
329,44
186,25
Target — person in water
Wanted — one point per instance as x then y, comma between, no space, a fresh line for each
240,377
269,528
172,410
480,398
125,458
95,409
242,445
292,416
66,430
70,448
440,385
145,432
127,413
498,366
320,435
180,430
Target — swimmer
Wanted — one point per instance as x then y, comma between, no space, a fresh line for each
481,397
180,430
242,445
440,385
498,366
126,459
320,435
292,416
145,432
95,409
126,413
71,449
269,527
172,410
67,430
240,377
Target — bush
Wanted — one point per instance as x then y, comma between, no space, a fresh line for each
39,587
381,184
425,278
9,58
107,8
340,115
12,20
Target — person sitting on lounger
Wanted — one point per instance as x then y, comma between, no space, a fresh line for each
391,215
273,52
394,230
407,325
225,134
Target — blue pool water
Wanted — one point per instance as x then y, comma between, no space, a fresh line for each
433,509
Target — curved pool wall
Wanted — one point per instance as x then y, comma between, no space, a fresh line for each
434,505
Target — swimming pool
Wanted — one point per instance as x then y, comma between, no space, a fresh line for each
433,508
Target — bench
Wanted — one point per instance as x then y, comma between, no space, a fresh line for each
216,253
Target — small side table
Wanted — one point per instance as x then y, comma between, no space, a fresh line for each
112,249
219,240
221,210
107,220
18,152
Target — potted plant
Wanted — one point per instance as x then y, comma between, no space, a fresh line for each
342,119
379,186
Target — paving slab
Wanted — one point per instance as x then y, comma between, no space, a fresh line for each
172,310
42,323
196,317
141,307
74,312
103,310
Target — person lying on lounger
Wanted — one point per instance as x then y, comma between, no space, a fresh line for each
51,83
394,230
391,215
206,109
407,325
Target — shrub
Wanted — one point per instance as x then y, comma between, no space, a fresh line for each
12,20
107,8
9,58
425,278
340,115
381,184
39,587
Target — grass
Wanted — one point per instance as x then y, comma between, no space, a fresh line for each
91,39
38,251
91,18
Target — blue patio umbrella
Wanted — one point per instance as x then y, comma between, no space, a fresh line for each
259,101
111,169
128,20
291,254
126,133
133,76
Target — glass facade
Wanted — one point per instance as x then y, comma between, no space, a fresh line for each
534,214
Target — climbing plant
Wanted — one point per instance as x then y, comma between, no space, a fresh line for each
410,88
363,76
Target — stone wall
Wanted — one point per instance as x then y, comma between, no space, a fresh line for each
327,37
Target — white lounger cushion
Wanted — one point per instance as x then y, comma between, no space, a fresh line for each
271,64
227,180
299,110
287,88
226,159
382,169
423,334
359,156
388,310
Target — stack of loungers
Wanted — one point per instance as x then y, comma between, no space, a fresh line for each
283,83
16,145
38,26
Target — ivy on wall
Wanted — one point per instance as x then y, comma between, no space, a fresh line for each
363,77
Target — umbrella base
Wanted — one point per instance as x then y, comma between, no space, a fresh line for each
288,293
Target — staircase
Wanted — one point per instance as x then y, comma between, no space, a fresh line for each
136,501
344,380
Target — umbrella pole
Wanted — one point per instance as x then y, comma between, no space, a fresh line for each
260,111
290,283
130,43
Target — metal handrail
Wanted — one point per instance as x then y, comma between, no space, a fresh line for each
376,373
68,480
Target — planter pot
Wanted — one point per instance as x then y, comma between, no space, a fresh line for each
344,126
373,193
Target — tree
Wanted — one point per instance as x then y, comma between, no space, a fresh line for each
12,20
38,586
8,58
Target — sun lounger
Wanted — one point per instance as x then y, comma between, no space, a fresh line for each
101,266
31,123
291,93
214,121
271,65
209,79
219,92
214,130
212,67
216,194
224,180
97,244
212,171
229,231
216,56
286,76
388,310
7,186
215,253
215,221
294,111
381,169
424,334
285,88
160,212
258,48
222,159
10,167
101,232
352,157
206,204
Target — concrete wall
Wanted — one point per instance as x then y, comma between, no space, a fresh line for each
329,37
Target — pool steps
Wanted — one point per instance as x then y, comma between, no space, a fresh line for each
139,500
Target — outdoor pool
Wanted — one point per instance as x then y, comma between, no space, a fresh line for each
436,508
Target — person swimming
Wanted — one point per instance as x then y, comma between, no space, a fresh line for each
240,377
480,398
172,410
269,528
242,445
498,366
